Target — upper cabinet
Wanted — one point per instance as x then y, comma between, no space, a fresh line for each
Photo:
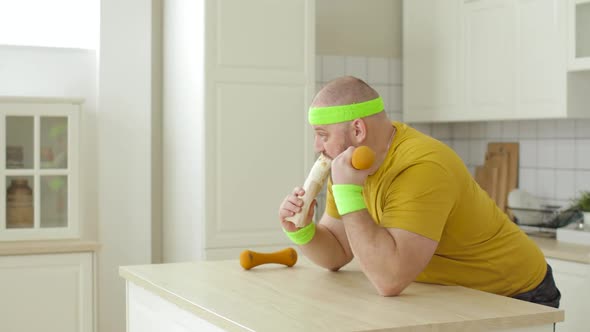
432,60
39,168
489,52
490,60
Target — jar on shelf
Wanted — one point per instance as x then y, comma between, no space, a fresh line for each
19,204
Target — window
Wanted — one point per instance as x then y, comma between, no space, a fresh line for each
53,23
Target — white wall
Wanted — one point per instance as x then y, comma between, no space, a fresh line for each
183,121
121,189
128,132
61,72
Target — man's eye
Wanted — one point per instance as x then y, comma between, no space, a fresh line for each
322,136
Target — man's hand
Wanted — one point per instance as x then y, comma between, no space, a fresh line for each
344,173
291,205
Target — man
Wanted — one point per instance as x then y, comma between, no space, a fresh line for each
416,215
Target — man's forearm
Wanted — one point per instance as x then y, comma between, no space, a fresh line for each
376,251
325,250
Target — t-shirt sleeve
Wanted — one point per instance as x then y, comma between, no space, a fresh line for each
420,200
331,208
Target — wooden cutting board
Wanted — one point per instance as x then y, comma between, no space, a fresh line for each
499,160
513,160
513,157
487,178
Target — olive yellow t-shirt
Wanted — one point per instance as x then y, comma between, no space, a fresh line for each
424,187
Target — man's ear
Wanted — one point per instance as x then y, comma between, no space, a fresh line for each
359,131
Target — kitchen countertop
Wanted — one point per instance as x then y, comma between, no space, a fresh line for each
308,298
563,250
46,247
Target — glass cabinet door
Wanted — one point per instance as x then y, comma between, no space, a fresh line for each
54,201
54,143
579,35
20,209
582,34
20,133
43,179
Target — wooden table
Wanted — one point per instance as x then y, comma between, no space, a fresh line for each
221,296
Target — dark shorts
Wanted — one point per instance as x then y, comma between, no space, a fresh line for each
546,293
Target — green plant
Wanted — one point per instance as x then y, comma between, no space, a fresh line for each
583,202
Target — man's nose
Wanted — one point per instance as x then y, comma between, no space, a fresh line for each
317,145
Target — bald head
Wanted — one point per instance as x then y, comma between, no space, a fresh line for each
343,91
348,124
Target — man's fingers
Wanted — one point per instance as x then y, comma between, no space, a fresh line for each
295,200
291,205
298,191
344,157
347,154
289,226
289,209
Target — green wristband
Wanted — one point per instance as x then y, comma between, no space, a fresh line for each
348,198
303,235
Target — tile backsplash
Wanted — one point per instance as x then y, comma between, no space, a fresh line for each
554,154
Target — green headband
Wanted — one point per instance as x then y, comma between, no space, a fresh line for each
343,113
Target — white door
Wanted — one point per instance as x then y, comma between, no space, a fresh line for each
258,89
238,78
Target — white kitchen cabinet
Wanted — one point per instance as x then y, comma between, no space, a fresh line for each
49,292
433,60
489,53
238,79
573,280
39,168
540,66
511,62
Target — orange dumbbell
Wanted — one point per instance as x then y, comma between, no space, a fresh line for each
250,259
